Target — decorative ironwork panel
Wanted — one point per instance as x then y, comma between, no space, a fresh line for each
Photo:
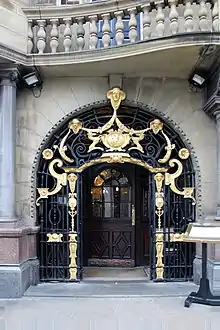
114,134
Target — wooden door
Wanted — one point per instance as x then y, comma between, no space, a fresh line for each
111,234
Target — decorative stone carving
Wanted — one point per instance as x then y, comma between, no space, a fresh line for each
173,16
67,42
106,31
132,25
160,17
80,33
215,16
93,32
188,15
54,36
119,37
146,21
30,37
41,36
203,22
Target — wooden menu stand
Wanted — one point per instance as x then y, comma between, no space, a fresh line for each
203,234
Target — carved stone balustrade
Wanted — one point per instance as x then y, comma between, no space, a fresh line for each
59,29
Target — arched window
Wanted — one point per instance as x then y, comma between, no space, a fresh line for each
111,195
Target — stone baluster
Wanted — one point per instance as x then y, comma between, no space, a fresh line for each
173,16
215,16
188,15
41,36
80,33
67,42
132,25
160,17
54,36
119,37
146,21
106,29
203,13
93,32
30,37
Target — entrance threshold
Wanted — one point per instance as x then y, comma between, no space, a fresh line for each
116,274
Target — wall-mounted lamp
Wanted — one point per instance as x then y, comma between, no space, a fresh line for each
197,79
33,81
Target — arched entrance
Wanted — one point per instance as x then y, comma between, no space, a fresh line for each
116,223
114,187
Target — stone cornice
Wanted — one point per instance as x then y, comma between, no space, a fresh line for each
87,9
111,53
97,55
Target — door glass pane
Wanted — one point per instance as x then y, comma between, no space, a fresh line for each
125,194
125,210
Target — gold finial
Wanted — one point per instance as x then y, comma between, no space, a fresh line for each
116,95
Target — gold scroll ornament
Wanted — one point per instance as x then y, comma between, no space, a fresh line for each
61,181
187,192
159,256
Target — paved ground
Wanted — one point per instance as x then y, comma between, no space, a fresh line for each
101,312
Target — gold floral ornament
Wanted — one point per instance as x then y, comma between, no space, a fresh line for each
115,96
47,154
183,153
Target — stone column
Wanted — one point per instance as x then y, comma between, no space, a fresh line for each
7,145
217,117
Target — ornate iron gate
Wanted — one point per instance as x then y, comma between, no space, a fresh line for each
129,135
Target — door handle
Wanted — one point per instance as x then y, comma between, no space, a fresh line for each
133,215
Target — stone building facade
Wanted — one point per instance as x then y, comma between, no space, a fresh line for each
146,70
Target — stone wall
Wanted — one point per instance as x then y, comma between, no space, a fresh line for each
13,25
36,116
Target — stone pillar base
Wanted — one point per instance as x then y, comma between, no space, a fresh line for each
16,279
213,272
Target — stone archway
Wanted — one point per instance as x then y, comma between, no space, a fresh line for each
82,155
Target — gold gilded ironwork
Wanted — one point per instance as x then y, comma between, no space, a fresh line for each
61,181
159,256
47,154
187,192
72,255
114,135
116,95
54,237
177,237
72,178
169,147
183,153
115,158
133,215
156,126
159,197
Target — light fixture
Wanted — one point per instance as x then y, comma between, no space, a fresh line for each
197,79
34,82
32,79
